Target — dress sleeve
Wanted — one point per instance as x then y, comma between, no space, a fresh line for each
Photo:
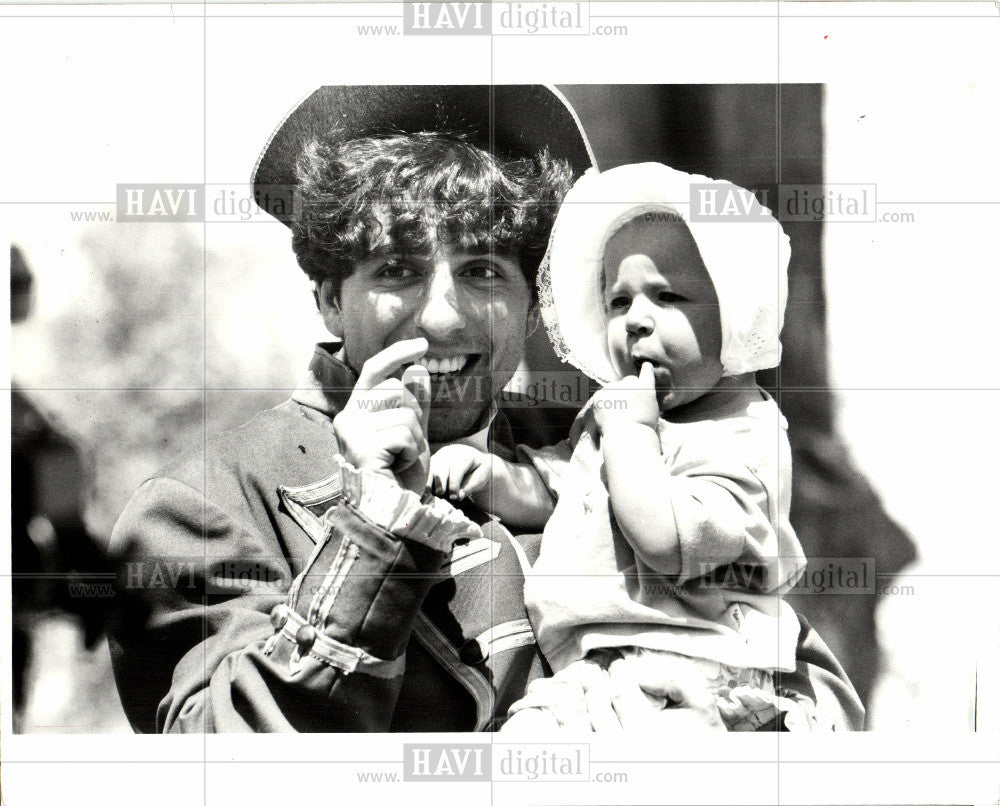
554,462
549,462
321,652
728,513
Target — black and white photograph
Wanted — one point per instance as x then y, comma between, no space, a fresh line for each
563,402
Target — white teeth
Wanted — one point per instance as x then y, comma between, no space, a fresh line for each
444,366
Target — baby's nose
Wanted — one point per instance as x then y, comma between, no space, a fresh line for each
639,317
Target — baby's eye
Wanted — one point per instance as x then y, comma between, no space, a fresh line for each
669,297
618,303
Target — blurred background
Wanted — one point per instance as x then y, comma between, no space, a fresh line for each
131,342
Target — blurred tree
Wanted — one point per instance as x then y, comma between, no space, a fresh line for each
119,371
54,559
129,370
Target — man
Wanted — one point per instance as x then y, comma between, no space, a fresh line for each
317,586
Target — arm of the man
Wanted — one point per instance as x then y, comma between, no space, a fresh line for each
326,653
210,658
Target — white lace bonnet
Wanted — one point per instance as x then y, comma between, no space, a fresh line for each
746,257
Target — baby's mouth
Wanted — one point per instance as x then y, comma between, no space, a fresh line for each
639,360
661,372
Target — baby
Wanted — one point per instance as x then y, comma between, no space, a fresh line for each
667,540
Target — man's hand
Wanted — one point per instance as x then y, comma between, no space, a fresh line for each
383,427
608,696
638,689
458,471
630,400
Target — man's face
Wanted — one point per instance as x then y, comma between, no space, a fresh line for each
472,307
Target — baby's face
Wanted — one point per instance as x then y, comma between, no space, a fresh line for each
662,308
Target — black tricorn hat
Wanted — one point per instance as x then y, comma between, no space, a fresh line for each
512,121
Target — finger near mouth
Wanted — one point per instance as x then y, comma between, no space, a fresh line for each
638,362
661,374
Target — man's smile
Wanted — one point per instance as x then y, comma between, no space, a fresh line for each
457,378
445,366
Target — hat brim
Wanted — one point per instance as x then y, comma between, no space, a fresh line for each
514,121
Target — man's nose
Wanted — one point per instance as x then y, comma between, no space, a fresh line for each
638,318
440,313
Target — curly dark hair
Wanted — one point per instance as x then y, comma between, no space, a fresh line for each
401,192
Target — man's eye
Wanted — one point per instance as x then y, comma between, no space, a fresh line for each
618,303
482,271
396,271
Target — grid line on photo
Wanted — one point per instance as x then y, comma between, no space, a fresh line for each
819,9
610,762
491,148
974,203
205,458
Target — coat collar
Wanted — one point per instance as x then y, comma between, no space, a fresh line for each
327,385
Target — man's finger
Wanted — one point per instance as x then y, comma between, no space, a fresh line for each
600,705
672,679
401,442
476,480
687,694
438,477
385,364
384,420
413,476
456,475
418,381
692,703
631,705
388,396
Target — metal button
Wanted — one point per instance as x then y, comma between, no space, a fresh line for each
279,617
306,637
471,653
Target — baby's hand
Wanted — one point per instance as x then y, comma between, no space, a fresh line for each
632,399
458,471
